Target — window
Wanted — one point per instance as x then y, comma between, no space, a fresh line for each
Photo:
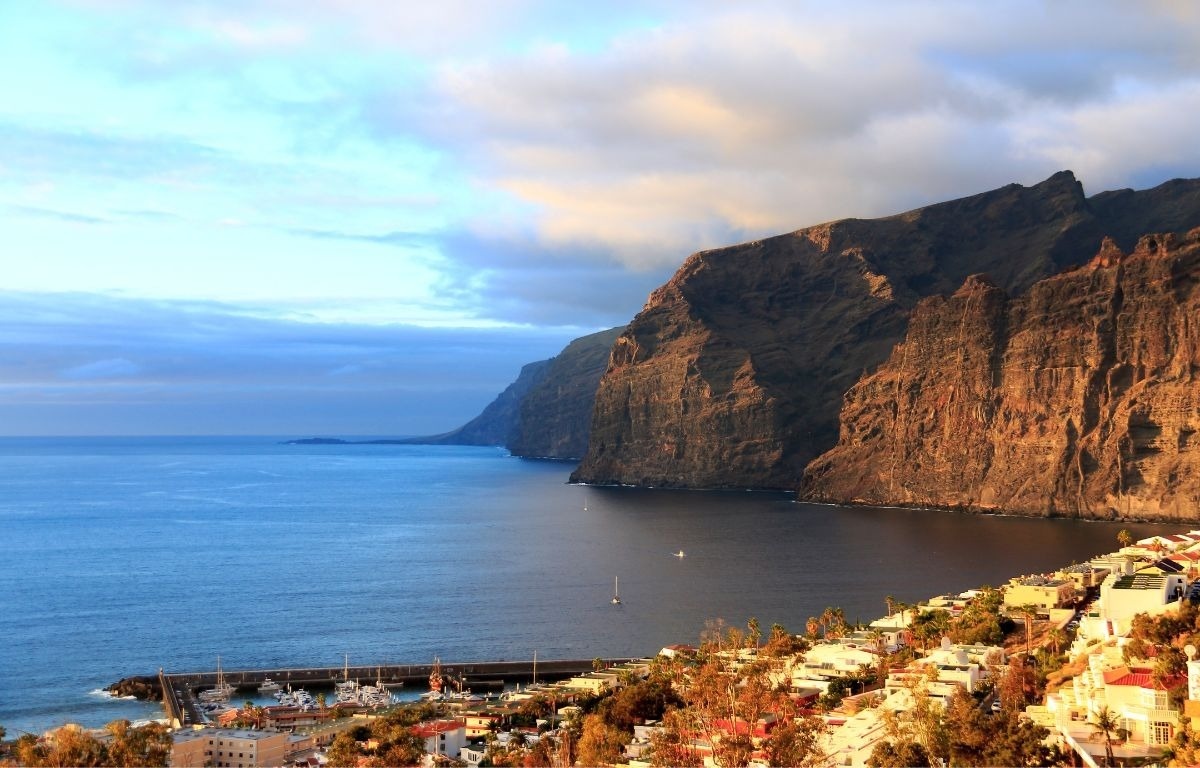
1160,732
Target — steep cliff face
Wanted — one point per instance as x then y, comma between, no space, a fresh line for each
732,374
1079,397
546,412
500,420
556,414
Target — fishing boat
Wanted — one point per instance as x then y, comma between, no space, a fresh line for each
616,591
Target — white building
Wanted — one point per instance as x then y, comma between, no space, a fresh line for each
442,737
1124,596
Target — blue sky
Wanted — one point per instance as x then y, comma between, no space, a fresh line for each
350,217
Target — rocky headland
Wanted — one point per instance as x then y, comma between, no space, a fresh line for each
547,412
732,376
1078,397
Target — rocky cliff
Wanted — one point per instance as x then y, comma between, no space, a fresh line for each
556,414
546,412
1079,397
500,420
732,374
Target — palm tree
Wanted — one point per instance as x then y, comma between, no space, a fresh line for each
1108,723
811,626
1124,539
754,631
1057,636
1028,612
891,605
826,619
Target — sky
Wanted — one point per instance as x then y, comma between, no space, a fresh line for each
346,217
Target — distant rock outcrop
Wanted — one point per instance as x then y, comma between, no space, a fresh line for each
1080,397
500,420
547,411
556,413
733,373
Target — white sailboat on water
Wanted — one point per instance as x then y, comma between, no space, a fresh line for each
616,591
221,692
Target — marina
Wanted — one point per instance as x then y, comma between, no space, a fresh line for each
184,692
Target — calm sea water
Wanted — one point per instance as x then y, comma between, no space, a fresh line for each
121,555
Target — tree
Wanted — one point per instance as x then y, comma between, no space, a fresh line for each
407,750
782,643
1124,539
67,746
149,745
1107,723
1028,612
541,755
754,632
898,754
671,745
1057,638
811,626
796,743
600,743
344,751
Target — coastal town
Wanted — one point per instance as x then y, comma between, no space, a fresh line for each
1092,664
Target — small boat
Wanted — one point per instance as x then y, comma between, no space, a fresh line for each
616,591
268,686
219,693
680,554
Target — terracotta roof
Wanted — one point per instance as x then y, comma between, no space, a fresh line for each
1140,677
437,726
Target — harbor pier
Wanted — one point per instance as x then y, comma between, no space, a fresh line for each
182,709
472,673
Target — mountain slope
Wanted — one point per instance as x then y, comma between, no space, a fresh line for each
732,375
1079,397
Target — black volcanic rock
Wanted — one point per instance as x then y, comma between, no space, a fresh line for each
733,373
142,687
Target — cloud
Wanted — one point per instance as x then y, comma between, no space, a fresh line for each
745,120
547,162
67,217
65,357
111,368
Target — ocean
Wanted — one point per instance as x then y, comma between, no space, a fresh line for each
121,556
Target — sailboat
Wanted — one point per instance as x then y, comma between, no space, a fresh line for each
221,692
435,682
616,591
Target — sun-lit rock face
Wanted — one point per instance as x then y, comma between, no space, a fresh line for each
733,373
1078,397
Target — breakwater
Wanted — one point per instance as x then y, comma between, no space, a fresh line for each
177,689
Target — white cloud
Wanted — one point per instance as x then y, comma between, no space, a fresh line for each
751,119
111,368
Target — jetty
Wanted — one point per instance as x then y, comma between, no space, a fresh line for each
179,688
